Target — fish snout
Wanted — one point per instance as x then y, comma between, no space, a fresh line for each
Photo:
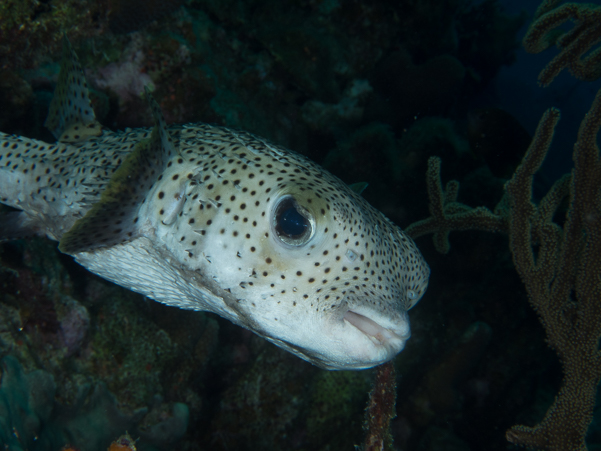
368,337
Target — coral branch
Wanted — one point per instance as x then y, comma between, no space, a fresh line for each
521,210
573,44
380,409
448,214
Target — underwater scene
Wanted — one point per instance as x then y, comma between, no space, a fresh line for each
300,225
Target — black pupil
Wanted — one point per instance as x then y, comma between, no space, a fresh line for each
290,222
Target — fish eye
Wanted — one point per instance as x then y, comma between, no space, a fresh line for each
292,223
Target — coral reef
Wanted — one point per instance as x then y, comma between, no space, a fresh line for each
126,78
26,403
31,30
262,404
68,352
126,16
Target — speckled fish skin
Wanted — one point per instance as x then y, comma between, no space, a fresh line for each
199,229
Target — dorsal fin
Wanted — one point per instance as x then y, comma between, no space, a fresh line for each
114,219
71,117
358,187
159,123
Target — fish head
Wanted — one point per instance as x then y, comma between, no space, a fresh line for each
307,263
350,277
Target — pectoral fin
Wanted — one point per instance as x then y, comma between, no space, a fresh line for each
114,219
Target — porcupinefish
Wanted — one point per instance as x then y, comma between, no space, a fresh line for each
208,218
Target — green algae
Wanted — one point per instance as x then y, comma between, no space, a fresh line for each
130,352
336,399
31,30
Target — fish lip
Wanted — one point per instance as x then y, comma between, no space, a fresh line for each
378,333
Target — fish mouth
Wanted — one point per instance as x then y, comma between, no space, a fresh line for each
388,336
349,340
